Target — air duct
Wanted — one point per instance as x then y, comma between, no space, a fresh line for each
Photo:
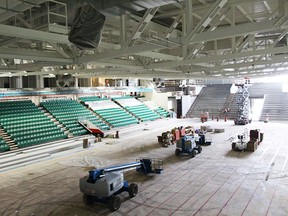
86,27
63,81
90,16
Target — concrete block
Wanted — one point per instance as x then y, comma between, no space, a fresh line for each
219,130
252,145
204,127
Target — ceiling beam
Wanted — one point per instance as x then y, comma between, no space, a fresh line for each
252,64
150,54
217,58
29,54
212,27
59,49
237,30
267,6
244,13
219,33
19,7
141,27
32,34
120,63
217,6
173,26
20,67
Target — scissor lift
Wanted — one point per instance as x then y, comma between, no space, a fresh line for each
243,103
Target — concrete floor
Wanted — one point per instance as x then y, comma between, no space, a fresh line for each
218,181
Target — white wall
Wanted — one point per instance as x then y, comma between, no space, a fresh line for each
172,104
219,81
187,101
198,89
233,89
160,99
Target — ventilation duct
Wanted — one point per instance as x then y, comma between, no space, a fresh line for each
65,80
159,82
86,27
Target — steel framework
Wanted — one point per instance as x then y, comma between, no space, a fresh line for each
243,103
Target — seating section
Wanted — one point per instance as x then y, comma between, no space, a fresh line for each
137,109
69,112
153,106
3,145
89,99
123,97
117,117
109,111
27,125
162,112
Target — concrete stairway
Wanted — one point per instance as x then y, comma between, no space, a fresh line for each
8,140
212,98
275,105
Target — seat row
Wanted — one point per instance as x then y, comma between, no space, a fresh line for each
20,120
23,126
13,110
162,112
143,113
20,113
20,107
39,140
4,147
123,122
34,136
21,133
28,125
91,98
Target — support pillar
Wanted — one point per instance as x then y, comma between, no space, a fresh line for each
18,82
76,82
39,81
187,22
123,34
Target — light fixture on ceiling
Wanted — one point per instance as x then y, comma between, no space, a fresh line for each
229,69
268,70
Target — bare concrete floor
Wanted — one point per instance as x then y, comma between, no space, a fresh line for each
218,181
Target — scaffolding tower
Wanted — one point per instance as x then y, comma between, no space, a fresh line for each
243,103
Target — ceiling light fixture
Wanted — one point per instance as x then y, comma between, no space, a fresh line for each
229,69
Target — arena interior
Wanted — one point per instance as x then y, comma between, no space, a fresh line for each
143,107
